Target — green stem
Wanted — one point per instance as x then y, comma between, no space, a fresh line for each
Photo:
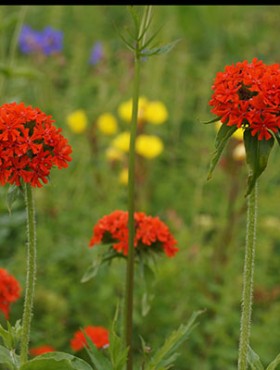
30,274
131,231
248,280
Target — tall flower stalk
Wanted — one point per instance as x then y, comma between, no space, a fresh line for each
131,190
246,96
31,272
248,280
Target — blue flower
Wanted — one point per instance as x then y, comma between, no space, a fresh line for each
46,42
96,53
52,41
29,40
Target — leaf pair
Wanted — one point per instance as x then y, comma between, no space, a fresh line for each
255,362
257,153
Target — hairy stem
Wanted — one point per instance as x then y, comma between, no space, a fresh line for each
248,280
30,273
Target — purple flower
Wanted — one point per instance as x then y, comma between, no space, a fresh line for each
51,41
29,40
47,42
96,53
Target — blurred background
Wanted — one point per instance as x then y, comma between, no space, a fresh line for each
85,72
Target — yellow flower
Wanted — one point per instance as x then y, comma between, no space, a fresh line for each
156,112
148,146
122,141
77,121
238,134
107,124
123,176
114,154
125,109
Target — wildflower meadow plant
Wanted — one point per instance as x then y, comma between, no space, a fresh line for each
246,96
30,146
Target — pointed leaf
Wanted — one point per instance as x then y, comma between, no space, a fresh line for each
212,120
160,50
166,354
223,135
57,361
97,356
274,363
254,360
257,153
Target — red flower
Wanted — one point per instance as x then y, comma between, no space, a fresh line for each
40,350
30,145
248,95
150,233
9,291
98,335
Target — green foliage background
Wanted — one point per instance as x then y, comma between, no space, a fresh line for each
207,218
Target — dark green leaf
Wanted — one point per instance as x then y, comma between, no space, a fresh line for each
223,135
257,153
56,361
212,120
254,360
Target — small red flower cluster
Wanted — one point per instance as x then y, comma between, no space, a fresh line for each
248,95
29,145
98,335
9,291
150,232
40,350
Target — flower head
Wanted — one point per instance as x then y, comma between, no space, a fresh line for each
121,141
125,109
40,350
151,234
9,291
107,124
247,95
156,112
49,41
148,146
98,335
96,53
77,121
30,145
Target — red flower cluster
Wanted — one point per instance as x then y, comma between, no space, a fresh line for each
98,335
9,291
248,95
40,350
29,145
150,232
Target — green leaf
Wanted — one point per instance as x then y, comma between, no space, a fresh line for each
6,359
166,355
12,195
56,361
257,153
254,360
159,50
212,120
274,363
97,356
117,350
223,135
